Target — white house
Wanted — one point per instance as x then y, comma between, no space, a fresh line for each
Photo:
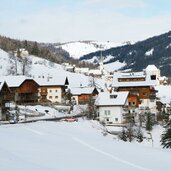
52,89
111,107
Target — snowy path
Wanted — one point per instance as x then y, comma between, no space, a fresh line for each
54,146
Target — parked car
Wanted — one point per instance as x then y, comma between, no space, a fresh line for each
12,121
71,119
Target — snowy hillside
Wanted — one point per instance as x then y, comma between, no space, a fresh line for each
79,146
78,49
44,68
4,62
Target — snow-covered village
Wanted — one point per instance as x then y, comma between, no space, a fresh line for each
101,103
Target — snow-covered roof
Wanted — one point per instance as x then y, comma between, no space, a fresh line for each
1,84
129,75
135,83
14,81
163,78
82,90
111,99
95,72
151,68
86,70
55,81
147,82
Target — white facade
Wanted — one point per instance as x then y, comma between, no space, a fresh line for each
111,114
111,107
53,94
150,104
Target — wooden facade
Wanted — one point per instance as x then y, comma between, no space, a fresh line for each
27,92
131,79
5,97
143,92
136,94
85,98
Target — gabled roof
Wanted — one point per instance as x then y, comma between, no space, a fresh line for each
55,81
151,68
1,85
82,90
95,72
111,99
15,81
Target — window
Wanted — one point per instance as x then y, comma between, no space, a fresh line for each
56,97
113,96
133,103
50,91
107,119
107,112
144,94
152,100
56,91
50,97
116,119
153,77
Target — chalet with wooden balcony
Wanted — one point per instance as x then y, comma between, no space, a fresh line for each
23,89
82,95
142,93
52,89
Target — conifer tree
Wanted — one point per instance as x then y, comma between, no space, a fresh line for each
123,135
149,123
139,135
166,136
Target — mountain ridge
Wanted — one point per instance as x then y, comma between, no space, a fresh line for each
155,50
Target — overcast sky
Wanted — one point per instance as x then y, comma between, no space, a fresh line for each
69,20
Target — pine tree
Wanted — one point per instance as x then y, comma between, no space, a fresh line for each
149,123
166,136
139,135
35,49
123,135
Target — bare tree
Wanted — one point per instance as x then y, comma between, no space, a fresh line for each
25,65
92,81
13,64
18,64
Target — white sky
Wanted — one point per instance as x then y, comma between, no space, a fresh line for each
103,20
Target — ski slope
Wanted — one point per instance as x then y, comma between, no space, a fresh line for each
78,146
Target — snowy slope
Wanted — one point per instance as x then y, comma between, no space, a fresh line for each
54,146
3,62
114,66
78,49
44,68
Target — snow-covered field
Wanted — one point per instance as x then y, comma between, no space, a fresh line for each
78,146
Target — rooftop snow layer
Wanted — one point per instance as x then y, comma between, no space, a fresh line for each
111,99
